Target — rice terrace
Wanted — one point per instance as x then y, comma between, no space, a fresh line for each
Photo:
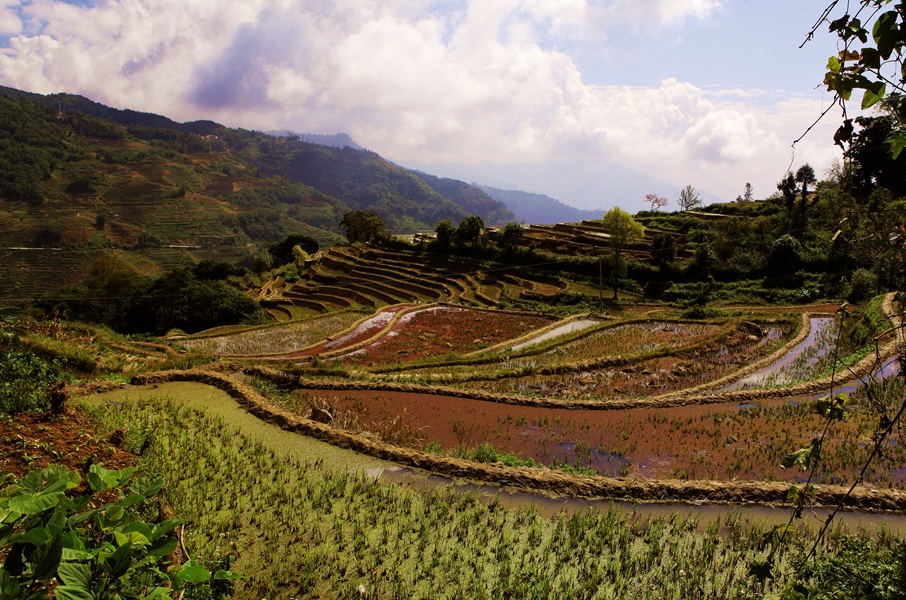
264,367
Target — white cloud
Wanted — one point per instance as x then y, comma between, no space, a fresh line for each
10,23
477,82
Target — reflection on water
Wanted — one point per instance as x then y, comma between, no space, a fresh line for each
748,515
799,362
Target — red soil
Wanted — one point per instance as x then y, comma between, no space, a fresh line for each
442,330
31,441
722,442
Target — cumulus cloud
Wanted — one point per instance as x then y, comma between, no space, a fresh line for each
428,81
10,23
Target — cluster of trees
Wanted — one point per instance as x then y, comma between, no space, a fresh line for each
688,199
190,299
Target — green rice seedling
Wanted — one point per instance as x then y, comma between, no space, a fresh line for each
300,528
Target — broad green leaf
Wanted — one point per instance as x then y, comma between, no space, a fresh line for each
114,514
886,33
804,457
832,409
158,593
70,554
193,572
873,94
35,535
130,537
148,487
163,547
72,592
227,575
118,562
761,570
33,504
74,574
9,587
897,141
792,494
141,528
46,558
165,527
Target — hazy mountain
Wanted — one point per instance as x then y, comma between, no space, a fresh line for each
537,208
335,140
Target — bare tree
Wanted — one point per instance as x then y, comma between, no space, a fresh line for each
688,198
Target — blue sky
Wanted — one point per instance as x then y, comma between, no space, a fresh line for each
594,102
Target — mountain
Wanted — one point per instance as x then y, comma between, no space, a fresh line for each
538,208
77,177
335,140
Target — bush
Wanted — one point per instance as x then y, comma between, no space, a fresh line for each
862,286
90,545
25,381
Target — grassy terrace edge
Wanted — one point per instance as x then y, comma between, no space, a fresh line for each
525,478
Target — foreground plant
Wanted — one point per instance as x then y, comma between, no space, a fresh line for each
89,545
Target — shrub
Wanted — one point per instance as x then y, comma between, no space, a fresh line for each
89,545
862,286
24,382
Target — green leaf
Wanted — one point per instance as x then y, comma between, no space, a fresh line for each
761,570
897,141
118,562
130,537
72,592
886,33
832,409
792,494
873,94
33,504
158,592
193,572
9,587
165,527
163,547
74,574
46,558
227,575
804,457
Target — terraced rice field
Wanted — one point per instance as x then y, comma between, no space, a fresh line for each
445,330
278,339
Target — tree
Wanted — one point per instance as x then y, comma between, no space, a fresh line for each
873,164
688,198
876,67
623,230
788,189
362,226
283,251
470,231
509,236
663,248
805,176
656,201
445,230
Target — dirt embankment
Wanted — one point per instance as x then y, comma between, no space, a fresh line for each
532,479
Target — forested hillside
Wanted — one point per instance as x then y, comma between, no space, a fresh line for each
79,177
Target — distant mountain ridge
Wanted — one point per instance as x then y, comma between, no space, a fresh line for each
78,177
537,208
335,140
363,180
